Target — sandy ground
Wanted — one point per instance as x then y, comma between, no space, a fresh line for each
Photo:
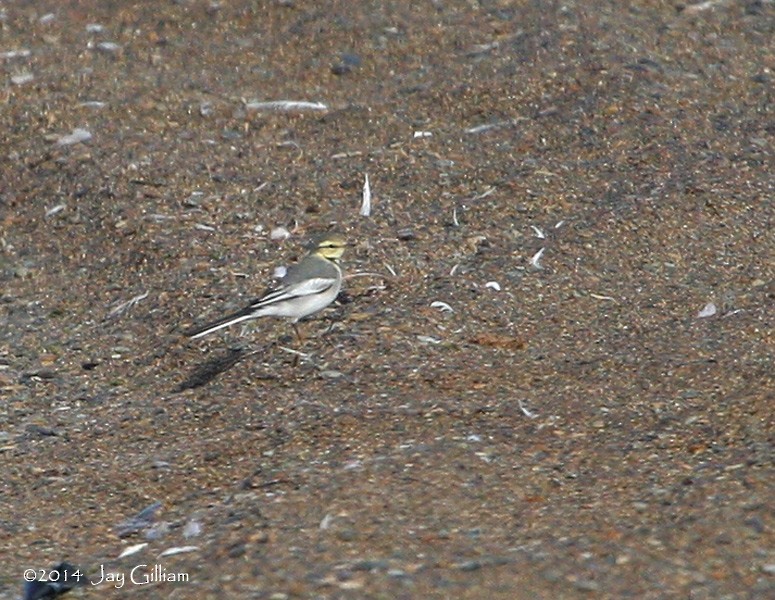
472,419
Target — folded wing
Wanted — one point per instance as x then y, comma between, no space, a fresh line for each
307,287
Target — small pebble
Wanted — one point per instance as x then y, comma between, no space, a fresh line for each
78,135
23,53
192,529
708,311
398,573
279,234
347,63
470,565
347,535
587,585
331,374
108,47
42,431
370,565
157,531
22,78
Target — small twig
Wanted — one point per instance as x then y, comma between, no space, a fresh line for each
294,352
156,184
126,305
485,193
600,297
287,105
442,306
365,274
525,411
58,208
346,154
536,258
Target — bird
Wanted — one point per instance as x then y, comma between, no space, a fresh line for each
308,287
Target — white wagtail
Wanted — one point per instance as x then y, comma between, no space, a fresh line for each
309,286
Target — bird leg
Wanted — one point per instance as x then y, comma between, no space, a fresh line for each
301,343
298,333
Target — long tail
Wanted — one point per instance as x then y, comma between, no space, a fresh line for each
237,317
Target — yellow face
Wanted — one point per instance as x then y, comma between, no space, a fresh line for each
331,246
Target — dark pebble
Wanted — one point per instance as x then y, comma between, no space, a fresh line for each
40,430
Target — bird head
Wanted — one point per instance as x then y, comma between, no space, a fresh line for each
330,246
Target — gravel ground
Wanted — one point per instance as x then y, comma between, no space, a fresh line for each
550,374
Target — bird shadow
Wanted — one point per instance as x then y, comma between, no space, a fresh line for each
210,369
